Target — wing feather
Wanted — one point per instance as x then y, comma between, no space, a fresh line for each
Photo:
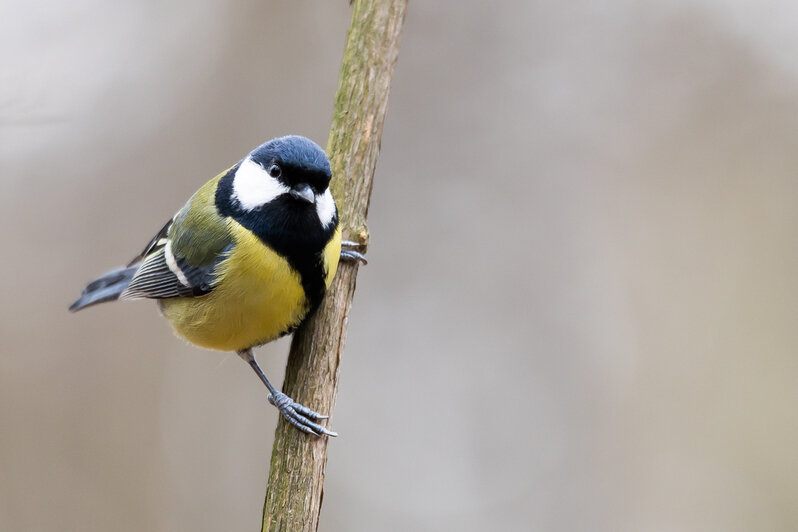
158,241
182,258
154,279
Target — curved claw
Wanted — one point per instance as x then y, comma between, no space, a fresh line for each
353,251
299,415
350,255
307,412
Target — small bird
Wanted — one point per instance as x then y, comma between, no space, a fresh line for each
245,260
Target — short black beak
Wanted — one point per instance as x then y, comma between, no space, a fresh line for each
303,193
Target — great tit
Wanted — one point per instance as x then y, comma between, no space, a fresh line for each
245,260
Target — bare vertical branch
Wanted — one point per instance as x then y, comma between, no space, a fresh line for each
296,477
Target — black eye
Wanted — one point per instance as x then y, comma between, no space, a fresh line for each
275,171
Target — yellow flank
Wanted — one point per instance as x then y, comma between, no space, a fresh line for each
258,296
332,254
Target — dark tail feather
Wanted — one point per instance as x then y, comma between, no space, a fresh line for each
105,288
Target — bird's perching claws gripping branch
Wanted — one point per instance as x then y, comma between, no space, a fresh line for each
296,476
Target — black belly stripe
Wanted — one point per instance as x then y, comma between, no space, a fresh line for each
312,274
289,227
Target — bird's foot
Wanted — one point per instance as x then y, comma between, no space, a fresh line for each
299,415
349,251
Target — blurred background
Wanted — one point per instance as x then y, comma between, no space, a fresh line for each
580,307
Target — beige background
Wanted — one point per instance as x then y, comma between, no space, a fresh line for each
580,310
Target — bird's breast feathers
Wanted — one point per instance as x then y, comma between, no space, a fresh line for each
258,296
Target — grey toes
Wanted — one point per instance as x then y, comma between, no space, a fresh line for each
299,415
350,255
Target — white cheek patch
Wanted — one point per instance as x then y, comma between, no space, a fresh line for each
253,187
325,208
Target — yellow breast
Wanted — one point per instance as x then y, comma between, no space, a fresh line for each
258,297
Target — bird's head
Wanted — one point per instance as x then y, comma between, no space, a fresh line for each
292,172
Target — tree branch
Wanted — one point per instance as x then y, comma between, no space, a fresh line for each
296,477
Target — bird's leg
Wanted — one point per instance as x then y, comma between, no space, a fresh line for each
348,252
298,415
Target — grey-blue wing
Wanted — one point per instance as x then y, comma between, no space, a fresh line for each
162,275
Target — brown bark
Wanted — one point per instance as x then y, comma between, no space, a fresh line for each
296,476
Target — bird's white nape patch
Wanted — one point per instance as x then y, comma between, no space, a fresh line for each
253,187
325,208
